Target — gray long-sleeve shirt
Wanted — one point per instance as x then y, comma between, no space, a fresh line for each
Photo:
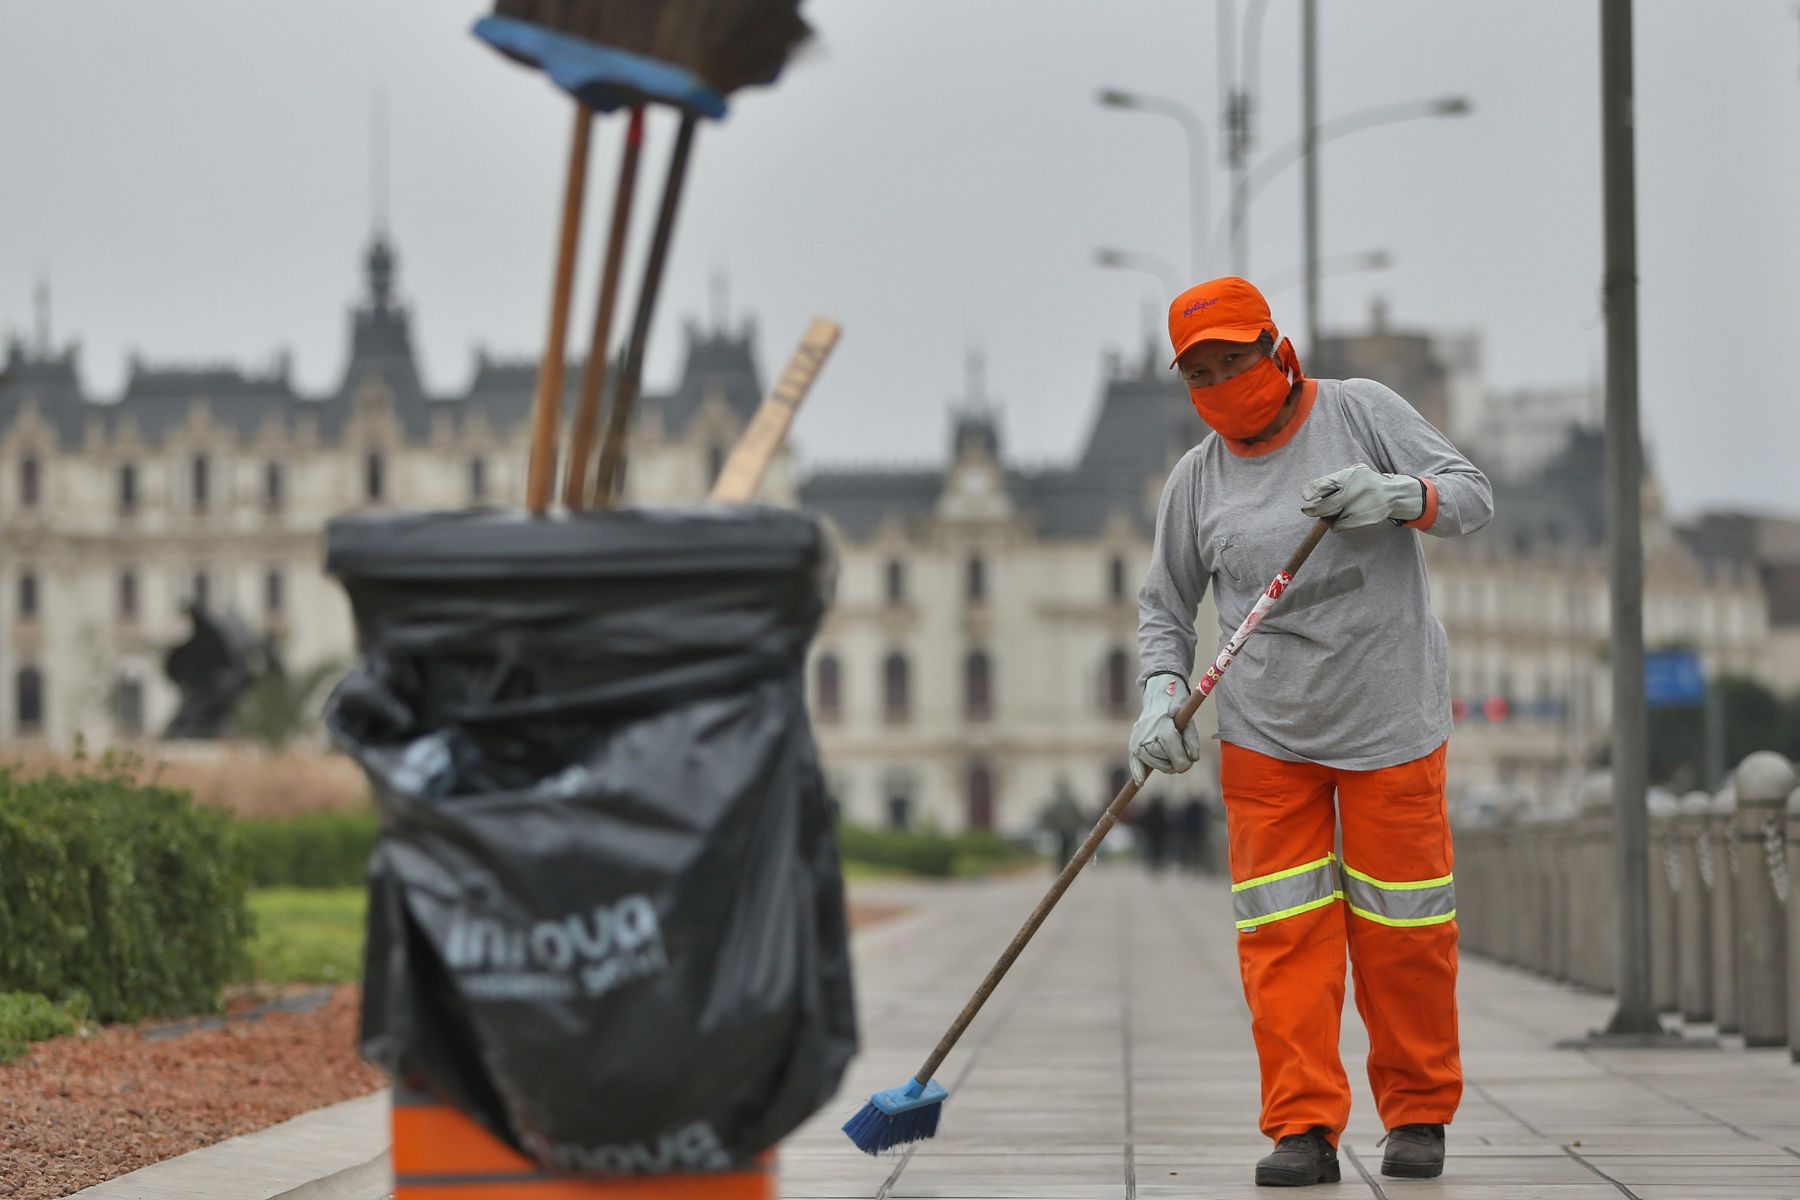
1351,667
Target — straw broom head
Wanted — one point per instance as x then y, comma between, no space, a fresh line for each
727,44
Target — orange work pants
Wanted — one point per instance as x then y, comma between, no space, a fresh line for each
1391,902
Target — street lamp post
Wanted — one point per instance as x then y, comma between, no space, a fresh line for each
1198,214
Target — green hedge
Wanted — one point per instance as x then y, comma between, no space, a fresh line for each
318,850
936,855
26,1018
129,897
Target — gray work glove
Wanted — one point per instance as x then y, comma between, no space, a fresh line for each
1359,496
1155,742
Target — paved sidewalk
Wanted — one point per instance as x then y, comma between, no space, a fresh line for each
1115,1061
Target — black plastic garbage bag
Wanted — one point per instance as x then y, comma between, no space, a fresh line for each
606,915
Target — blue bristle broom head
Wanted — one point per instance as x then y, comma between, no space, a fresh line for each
908,1113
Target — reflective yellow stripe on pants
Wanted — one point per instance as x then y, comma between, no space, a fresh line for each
1414,902
1283,894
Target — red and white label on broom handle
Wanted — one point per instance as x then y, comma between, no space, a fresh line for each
1258,611
1254,618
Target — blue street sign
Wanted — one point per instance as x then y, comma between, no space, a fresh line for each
1673,679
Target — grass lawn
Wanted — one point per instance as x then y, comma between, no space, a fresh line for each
307,935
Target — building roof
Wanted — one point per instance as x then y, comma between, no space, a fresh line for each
1144,422
158,398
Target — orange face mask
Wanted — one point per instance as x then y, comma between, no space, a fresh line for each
1242,407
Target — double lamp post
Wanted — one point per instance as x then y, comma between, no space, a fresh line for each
1248,181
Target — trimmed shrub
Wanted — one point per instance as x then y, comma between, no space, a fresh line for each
27,1018
131,897
317,850
935,855
927,854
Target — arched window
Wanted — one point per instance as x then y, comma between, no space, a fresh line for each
978,700
28,483
827,688
1117,690
272,487
896,697
715,462
128,705
1115,578
896,581
477,480
128,490
975,580
374,477
201,480
274,592
28,703
128,595
28,597
980,788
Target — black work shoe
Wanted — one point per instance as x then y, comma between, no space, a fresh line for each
1299,1159
1414,1152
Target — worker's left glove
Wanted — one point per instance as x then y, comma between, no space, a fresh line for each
1360,495
1155,742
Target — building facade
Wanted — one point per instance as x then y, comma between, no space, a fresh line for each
214,485
981,652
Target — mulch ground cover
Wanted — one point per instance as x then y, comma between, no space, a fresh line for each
79,1110
76,1111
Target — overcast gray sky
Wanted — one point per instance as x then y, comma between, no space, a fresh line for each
193,178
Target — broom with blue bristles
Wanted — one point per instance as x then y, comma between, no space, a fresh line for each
910,1112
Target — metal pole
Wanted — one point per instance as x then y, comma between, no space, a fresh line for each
1624,465
1309,76
1715,734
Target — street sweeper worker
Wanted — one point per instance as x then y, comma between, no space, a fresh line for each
1337,711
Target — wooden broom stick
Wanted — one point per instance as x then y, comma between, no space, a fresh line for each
618,418
593,375
546,408
768,428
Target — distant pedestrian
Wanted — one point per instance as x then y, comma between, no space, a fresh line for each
1190,842
1062,819
1154,826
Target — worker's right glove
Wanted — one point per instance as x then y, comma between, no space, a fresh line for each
1155,742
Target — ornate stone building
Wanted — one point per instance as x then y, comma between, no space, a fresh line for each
983,641
215,484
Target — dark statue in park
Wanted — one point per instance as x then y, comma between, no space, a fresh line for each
213,669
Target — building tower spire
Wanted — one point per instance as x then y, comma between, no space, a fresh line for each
721,299
975,369
378,166
41,298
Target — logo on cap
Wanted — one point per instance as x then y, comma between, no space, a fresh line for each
1197,305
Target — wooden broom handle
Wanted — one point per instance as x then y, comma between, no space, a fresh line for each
1072,868
593,375
618,418
545,409
761,440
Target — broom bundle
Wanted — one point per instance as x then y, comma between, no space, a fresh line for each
727,44
613,54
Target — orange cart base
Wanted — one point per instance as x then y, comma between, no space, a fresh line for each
440,1154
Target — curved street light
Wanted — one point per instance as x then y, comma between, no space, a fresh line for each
1137,260
1199,215
1369,260
1285,155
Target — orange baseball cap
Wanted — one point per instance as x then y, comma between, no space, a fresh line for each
1228,309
